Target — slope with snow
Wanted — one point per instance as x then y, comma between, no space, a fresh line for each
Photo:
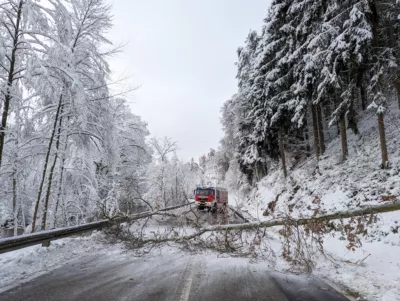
330,186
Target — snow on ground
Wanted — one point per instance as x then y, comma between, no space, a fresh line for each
373,270
334,186
22,265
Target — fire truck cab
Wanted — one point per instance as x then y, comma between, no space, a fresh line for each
211,198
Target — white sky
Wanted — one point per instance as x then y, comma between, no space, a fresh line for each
182,54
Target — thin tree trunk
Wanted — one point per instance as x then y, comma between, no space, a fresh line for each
50,182
343,136
307,136
45,165
282,150
321,136
397,86
59,187
176,187
22,214
382,136
15,205
315,128
15,167
10,80
363,97
392,42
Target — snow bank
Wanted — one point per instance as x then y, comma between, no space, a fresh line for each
25,264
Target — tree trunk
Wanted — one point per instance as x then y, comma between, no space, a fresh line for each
321,136
15,167
307,136
45,165
15,205
343,136
363,97
397,86
282,151
10,80
382,136
352,119
315,128
50,182
392,42
59,187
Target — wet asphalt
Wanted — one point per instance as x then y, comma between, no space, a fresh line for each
169,277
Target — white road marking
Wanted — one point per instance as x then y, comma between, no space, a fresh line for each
187,282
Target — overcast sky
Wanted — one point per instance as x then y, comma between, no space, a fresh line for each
182,54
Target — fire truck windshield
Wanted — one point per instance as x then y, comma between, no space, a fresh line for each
203,191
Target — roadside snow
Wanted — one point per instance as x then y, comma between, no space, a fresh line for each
372,270
25,264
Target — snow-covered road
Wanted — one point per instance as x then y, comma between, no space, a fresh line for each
169,275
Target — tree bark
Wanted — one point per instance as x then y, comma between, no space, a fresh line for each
363,97
10,80
46,162
315,128
282,151
392,41
397,86
343,136
60,186
307,136
382,136
15,205
321,135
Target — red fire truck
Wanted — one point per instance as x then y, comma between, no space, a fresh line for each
211,198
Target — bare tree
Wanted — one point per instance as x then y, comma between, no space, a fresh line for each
163,147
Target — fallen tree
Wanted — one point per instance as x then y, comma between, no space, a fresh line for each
302,239
371,210
304,221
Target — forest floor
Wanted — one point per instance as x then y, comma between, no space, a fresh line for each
329,186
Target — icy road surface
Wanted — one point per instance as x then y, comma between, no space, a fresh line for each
169,276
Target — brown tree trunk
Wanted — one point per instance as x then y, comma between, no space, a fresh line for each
315,128
50,182
321,135
46,162
282,151
382,136
10,80
343,136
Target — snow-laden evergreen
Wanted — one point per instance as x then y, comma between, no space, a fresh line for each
306,78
